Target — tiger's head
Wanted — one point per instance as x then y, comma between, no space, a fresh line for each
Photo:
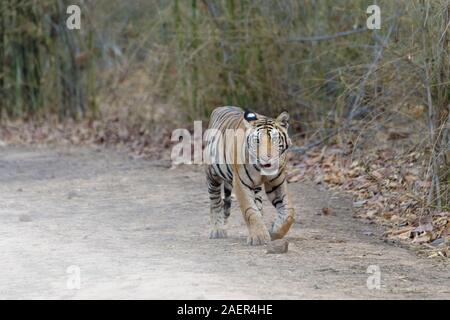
267,140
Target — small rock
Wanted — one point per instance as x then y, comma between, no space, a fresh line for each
24,218
327,211
72,194
278,246
252,264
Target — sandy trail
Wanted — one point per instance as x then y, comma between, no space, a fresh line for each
136,229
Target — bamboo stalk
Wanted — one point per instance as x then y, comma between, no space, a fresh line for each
37,55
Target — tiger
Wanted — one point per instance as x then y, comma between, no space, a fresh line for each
262,148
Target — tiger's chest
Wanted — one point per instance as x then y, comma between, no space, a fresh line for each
249,175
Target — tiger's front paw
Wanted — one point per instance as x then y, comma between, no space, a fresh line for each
258,237
218,233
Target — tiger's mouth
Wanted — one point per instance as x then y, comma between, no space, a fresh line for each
265,164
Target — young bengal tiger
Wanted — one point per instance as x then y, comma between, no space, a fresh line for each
247,151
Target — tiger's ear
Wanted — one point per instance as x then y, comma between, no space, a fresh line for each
283,119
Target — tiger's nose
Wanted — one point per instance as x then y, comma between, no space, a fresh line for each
265,159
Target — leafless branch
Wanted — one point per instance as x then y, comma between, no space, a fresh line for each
327,36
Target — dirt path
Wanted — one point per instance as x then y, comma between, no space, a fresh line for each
136,229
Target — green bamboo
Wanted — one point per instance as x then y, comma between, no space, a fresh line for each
38,71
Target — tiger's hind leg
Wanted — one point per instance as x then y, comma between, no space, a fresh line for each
217,208
227,188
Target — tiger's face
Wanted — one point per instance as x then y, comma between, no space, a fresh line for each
267,141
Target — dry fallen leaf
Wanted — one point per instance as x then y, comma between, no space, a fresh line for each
359,204
371,213
417,111
422,239
424,228
387,185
